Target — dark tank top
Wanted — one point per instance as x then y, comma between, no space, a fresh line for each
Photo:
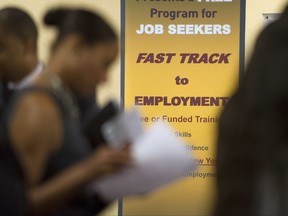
12,187
74,148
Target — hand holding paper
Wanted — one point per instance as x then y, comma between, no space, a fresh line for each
160,158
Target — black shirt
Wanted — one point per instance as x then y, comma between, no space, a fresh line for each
12,188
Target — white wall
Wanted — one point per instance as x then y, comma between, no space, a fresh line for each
254,19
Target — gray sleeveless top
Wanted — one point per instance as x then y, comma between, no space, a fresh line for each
12,185
74,148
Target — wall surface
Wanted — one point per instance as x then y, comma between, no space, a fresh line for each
110,9
254,18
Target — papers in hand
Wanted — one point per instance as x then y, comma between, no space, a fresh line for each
123,128
160,158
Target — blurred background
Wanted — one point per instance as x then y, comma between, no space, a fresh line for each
111,10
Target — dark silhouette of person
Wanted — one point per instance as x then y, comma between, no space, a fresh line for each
252,147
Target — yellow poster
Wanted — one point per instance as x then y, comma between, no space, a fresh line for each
181,60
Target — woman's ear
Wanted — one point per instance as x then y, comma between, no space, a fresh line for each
76,50
79,48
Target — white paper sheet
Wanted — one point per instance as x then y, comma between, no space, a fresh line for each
160,159
123,128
